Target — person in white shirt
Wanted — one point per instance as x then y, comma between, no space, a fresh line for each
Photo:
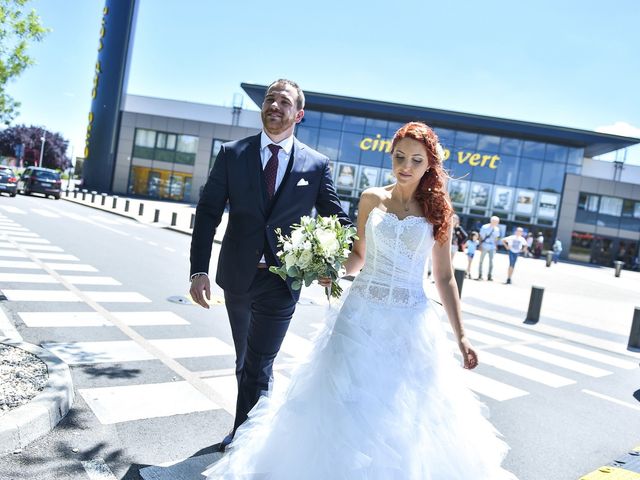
514,244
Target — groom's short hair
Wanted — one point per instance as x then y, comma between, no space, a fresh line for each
291,83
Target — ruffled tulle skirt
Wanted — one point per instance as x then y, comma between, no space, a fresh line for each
380,397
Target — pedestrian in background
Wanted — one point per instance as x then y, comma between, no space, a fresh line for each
472,245
527,252
557,250
458,238
538,245
489,235
514,244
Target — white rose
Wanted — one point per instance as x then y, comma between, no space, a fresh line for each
287,247
297,237
305,258
289,260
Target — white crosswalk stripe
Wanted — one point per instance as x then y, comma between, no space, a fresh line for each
557,360
45,213
12,209
591,355
43,278
54,256
526,371
491,388
42,248
18,235
68,296
25,240
12,253
95,319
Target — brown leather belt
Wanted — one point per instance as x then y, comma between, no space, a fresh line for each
263,265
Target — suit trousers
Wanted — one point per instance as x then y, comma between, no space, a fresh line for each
259,321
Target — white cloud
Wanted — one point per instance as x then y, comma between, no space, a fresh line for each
620,128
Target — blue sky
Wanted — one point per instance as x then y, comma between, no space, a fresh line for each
571,63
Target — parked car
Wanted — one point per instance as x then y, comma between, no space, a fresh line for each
8,181
40,180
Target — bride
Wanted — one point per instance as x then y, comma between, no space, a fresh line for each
381,396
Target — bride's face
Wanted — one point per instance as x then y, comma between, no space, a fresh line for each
409,161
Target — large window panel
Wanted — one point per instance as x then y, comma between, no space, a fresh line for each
556,153
329,143
445,136
587,211
552,177
373,127
488,143
483,174
507,171
530,173
392,128
331,121
308,136
610,211
511,146
311,118
533,150
630,219
350,148
466,141
144,144
353,124
575,156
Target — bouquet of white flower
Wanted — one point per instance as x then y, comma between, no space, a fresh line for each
317,247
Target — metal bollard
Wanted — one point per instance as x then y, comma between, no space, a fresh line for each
84,194
93,196
115,201
193,221
459,275
549,258
535,303
618,267
156,216
174,219
141,209
126,205
75,194
104,199
634,336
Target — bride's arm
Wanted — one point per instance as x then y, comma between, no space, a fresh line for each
355,261
448,290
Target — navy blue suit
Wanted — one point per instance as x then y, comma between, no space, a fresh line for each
259,303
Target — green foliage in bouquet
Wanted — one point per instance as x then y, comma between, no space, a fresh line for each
317,247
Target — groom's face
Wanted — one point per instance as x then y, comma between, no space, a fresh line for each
279,109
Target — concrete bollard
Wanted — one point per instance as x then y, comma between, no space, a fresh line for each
549,258
634,336
115,201
156,216
174,219
141,209
193,221
126,205
535,303
104,199
618,267
459,275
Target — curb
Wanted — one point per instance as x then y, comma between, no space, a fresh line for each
625,467
41,414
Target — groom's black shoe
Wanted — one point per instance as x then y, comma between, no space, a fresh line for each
222,446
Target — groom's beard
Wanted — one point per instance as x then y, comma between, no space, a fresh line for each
277,123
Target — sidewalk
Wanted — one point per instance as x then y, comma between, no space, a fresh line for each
581,303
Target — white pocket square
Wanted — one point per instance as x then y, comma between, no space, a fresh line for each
302,183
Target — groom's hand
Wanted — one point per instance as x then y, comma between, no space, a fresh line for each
199,285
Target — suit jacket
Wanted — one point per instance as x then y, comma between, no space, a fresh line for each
237,177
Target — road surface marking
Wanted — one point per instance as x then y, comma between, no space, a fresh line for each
94,319
77,267
136,402
33,240
97,469
523,370
45,213
169,249
70,296
43,248
54,256
12,209
18,264
484,338
508,331
19,235
7,328
591,355
13,229
611,399
227,386
108,221
89,280
491,388
296,346
557,360
26,278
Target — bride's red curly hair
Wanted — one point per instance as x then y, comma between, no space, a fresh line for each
432,190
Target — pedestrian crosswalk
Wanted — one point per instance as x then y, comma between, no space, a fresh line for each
514,362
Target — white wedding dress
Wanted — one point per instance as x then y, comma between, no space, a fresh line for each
381,396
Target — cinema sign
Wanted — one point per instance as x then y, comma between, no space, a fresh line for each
474,159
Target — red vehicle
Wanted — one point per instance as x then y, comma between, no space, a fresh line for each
8,181
40,180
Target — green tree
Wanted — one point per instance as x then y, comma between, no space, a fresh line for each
18,28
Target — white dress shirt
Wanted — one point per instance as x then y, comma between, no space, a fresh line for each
283,155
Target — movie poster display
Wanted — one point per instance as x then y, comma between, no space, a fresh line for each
548,205
387,178
368,177
480,194
346,177
458,190
525,201
502,198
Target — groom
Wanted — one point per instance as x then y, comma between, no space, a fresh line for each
270,180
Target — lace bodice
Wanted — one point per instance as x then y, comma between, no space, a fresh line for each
395,260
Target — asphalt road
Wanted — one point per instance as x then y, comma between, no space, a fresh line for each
154,378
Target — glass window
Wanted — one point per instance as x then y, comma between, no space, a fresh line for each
145,138
552,177
308,136
350,148
311,118
575,156
373,126
575,169
533,150
346,178
187,144
587,211
332,121
483,174
392,128
610,206
511,146
488,143
630,219
581,244
530,173
507,171
171,141
161,140
466,141
215,149
556,153
353,124
445,136
329,143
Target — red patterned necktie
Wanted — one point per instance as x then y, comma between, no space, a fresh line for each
271,170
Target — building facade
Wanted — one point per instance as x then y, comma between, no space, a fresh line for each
524,173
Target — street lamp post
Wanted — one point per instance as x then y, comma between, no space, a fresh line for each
42,140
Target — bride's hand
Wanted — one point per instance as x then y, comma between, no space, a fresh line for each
469,354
